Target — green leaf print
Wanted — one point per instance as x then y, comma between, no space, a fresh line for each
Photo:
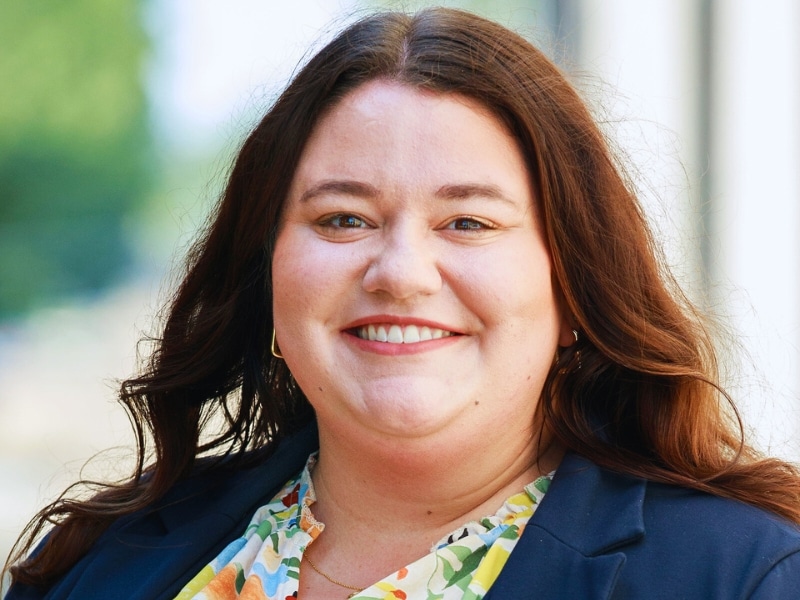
469,564
447,569
292,561
293,567
240,579
542,484
511,533
264,529
470,595
461,552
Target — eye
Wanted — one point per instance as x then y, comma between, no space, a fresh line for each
344,221
468,224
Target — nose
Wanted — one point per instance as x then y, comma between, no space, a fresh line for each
404,265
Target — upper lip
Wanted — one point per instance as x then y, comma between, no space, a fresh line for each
399,320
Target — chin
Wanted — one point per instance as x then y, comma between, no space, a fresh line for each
412,415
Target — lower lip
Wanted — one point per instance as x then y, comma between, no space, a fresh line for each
387,349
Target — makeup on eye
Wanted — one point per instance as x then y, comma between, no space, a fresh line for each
349,221
469,223
344,221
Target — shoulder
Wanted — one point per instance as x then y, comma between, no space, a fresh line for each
151,553
652,508
639,539
703,518
718,542
228,486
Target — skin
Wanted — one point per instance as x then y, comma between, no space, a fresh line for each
414,208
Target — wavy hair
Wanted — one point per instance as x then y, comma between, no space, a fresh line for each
637,394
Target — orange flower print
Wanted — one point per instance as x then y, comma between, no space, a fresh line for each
392,593
223,586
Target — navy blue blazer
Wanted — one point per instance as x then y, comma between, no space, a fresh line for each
596,535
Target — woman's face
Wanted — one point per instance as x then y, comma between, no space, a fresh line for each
412,285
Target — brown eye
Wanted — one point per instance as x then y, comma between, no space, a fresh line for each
467,224
345,222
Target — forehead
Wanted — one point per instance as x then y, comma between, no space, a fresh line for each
388,126
371,100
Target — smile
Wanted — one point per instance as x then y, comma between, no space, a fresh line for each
400,334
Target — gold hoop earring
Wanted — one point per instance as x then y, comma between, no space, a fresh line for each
276,352
577,352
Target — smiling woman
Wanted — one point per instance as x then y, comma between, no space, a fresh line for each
409,211
448,361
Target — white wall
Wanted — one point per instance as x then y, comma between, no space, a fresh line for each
756,194
650,55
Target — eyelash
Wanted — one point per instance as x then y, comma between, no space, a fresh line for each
474,224
337,222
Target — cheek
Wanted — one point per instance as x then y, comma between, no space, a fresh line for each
289,272
506,286
292,298
308,275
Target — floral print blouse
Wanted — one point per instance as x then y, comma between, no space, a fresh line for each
264,564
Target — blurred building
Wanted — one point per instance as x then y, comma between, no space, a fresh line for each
705,103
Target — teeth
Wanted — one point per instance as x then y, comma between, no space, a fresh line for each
396,334
411,335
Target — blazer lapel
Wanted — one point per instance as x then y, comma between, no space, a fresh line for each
571,548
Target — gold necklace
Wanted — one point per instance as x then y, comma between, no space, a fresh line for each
307,558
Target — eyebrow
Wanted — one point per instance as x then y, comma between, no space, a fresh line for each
471,190
340,187
348,187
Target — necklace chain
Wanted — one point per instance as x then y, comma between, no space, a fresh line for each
357,589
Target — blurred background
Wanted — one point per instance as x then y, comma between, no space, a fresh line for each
118,120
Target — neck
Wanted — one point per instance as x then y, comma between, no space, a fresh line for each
411,492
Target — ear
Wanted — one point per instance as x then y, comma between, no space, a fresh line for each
567,335
568,329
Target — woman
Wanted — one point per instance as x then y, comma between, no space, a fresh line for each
448,360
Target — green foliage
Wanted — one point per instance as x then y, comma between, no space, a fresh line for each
74,145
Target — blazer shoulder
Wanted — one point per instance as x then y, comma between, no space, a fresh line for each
704,519
177,536
724,547
668,541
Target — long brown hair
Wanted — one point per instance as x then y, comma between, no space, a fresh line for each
637,394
